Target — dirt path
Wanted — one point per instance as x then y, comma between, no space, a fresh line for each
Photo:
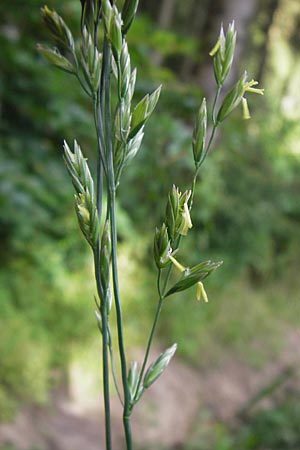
165,415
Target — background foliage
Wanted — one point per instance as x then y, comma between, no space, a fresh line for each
248,213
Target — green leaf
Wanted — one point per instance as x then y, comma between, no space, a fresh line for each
128,14
133,146
173,218
58,28
223,53
53,56
232,99
133,379
107,13
199,135
115,33
158,366
194,275
162,247
230,42
153,99
143,110
139,115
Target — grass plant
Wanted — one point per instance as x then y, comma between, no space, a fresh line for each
101,63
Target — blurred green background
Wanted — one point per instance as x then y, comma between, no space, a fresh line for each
247,209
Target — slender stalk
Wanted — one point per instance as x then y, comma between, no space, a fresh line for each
76,73
215,126
167,279
162,292
200,164
155,322
105,367
101,145
99,172
213,131
101,164
82,85
113,368
113,224
170,268
126,413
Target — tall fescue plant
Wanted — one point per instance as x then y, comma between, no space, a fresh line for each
101,62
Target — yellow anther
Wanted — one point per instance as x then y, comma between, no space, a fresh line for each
201,292
216,48
178,266
246,112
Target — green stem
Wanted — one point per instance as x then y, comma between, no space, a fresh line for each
77,75
105,369
126,412
82,85
165,286
200,164
170,267
101,164
155,322
113,224
99,172
167,279
113,367
212,135
196,173
210,140
215,126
